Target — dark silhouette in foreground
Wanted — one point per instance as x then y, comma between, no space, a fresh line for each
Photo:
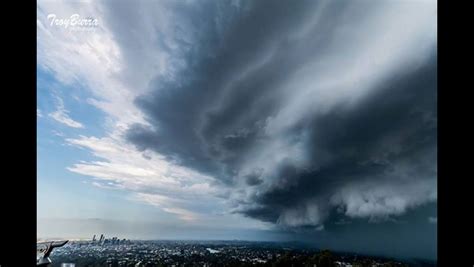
44,249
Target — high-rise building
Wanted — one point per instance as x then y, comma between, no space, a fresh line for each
93,238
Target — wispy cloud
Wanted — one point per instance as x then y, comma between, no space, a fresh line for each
167,204
57,133
61,115
152,179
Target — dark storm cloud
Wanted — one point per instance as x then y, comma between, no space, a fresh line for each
198,106
304,108
388,139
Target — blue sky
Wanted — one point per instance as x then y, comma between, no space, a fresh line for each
71,196
239,120
55,183
61,192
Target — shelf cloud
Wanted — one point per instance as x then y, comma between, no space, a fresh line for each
328,108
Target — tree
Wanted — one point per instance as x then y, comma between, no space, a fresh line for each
325,259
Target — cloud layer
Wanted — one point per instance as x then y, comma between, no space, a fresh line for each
61,115
330,107
288,112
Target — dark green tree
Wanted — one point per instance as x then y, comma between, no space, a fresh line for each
324,259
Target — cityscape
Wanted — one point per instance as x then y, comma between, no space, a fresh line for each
125,252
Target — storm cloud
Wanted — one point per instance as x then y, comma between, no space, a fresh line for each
301,109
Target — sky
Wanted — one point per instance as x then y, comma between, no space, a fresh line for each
311,121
